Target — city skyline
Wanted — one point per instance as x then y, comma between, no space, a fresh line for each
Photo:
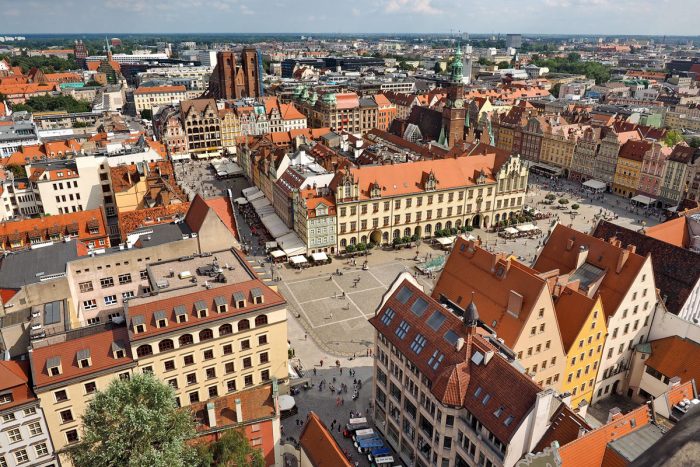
597,17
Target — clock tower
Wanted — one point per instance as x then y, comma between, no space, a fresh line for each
454,112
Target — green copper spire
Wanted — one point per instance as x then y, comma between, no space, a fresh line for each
456,73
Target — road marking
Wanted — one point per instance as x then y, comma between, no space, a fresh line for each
363,317
301,308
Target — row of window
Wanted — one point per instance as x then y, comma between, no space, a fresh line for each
22,456
204,335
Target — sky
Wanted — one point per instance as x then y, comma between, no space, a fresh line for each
596,17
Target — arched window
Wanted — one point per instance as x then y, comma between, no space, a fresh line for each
343,242
363,239
260,320
225,329
144,350
397,233
448,225
186,339
353,240
243,325
428,229
407,232
438,226
165,345
206,334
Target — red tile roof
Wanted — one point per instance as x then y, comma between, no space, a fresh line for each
222,207
565,427
134,220
14,378
256,404
634,150
561,252
589,450
457,380
470,268
675,356
572,309
320,446
101,356
674,232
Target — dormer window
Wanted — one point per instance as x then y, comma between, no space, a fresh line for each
5,398
83,357
431,182
118,350
138,323
239,300
180,314
161,319
221,305
375,191
53,366
200,308
257,295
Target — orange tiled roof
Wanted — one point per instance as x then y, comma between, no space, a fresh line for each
675,356
564,428
685,390
572,309
63,77
319,445
134,220
79,223
14,377
222,207
674,232
31,88
256,404
561,252
290,112
470,268
101,356
589,450
159,89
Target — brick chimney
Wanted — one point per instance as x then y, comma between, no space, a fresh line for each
622,259
614,414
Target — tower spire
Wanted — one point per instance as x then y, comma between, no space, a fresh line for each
109,50
456,74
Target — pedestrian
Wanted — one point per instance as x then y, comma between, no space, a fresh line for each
314,371
341,371
305,336
342,401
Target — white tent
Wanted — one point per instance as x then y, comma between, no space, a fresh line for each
320,256
298,259
286,402
291,244
511,230
446,241
274,225
277,253
253,196
644,200
241,201
525,227
249,191
595,185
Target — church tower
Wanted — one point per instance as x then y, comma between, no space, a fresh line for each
454,113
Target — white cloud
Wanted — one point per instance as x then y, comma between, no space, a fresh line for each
411,6
246,11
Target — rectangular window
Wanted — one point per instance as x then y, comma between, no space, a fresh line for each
89,304
248,380
61,395
41,450
66,416
86,286
125,278
90,387
106,282
110,300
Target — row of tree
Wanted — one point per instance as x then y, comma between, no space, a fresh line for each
572,64
53,103
50,64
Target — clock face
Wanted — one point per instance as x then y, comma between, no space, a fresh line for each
459,104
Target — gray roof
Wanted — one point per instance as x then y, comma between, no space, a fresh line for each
158,315
138,319
238,296
634,444
200,305
180,310
27,267
83,354
220,301
256,292
164,233
53,362
118,345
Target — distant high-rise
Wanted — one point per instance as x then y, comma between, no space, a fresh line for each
236,75
514,40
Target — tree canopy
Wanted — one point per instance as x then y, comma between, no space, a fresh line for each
572,64
50,64
672,138
135,423
231,449
52,103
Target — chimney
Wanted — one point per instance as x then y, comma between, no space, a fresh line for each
582,255
211,414
239,412
488,356
622,259
460,344
614,414
569,244
615,242
673,382
632,248
515,303
581,431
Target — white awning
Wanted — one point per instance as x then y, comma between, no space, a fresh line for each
525,227
595,184
274,225
291,244
511,230
241,200
445,241
270,245
298,259
286,402
645,200
250,190
253,196
320,256
277,253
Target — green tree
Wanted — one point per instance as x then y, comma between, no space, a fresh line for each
672,138
51,103
504,64
135,423
147,114
694,142
17,171
485,61
231,449
437,68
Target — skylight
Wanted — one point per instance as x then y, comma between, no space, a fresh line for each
418,343
508,420
436,320
404,294
402,329
477,392
435,360
388,316
451,337
419,306
486,400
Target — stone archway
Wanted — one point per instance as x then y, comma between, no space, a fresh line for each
417,231
476,221
376,237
